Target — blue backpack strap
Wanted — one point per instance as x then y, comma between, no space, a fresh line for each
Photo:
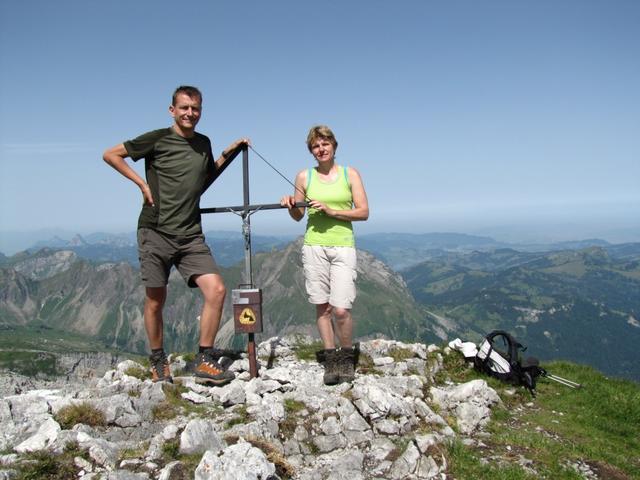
346,176
309,173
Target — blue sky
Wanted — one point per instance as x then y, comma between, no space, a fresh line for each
514,119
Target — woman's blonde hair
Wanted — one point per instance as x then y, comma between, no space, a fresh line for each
321,131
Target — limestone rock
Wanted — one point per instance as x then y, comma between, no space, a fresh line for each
198,436
238,462
285,417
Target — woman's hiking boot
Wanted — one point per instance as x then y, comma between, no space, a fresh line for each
329,360
346,364
160,371
208,370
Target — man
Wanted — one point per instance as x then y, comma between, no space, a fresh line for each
179,167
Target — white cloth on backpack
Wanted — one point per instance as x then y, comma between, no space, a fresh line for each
468,349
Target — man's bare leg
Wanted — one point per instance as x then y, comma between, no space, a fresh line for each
208,370
153,324
213,290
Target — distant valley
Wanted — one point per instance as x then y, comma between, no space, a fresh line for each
581,305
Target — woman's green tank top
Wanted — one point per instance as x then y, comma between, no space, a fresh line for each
322,229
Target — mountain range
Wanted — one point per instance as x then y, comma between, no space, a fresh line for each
578,301
60,290
106,247
398,250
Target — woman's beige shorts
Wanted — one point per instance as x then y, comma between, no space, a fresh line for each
330,275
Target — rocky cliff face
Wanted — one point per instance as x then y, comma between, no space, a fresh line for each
105,301
46,263
391,423
18,303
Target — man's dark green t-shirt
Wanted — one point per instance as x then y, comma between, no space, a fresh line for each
176,170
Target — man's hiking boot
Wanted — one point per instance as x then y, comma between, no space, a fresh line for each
329,360
346,364
208,370
160,371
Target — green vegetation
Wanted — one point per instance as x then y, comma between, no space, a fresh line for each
174,405
596,425
32,350
138,372
83,412
132,453
366,365
292,409
29,363
400,354
393,314
307,351
45,465
557,303
292,406
188,357
242,416
401,444
171,452
284,470
465,463
41,464
454,368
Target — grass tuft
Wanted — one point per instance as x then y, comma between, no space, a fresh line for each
242,416
171,452
292,406
284,469
401,354
307,351
84,413
138,372
42,464
292,409
366,365
174,405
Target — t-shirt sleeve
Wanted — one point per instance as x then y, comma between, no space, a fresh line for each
143,145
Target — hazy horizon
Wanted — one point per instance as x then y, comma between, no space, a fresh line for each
539,231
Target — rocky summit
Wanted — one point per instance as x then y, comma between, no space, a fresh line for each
392,422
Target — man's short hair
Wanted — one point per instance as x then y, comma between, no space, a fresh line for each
321,131
189,91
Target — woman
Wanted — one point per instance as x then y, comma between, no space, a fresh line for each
336,198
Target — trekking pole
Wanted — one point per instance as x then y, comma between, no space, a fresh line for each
562,381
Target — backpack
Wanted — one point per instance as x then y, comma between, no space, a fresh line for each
499,356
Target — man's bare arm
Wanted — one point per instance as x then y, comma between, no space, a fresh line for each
222,159
115,156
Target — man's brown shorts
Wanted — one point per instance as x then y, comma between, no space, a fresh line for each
158,252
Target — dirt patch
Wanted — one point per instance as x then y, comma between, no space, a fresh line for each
604,470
